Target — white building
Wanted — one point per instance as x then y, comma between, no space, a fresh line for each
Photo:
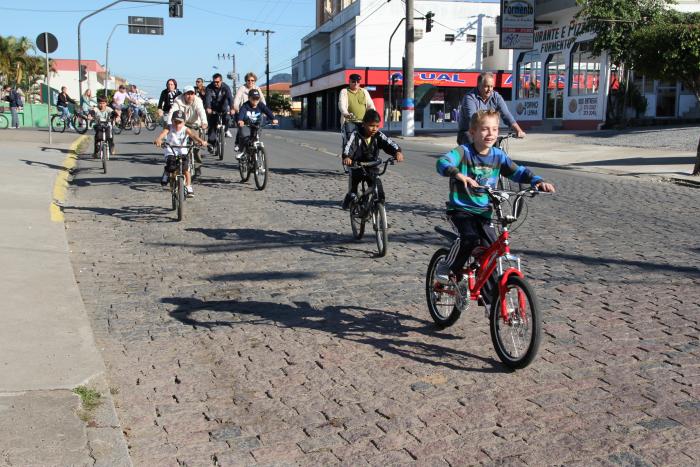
352,36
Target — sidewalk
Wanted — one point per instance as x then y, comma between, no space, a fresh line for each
47,346
588,152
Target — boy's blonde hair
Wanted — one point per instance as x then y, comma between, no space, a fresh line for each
481,115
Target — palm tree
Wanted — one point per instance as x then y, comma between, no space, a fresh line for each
17,66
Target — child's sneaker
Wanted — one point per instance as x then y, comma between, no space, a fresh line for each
442,273
348,199
190,191
164,179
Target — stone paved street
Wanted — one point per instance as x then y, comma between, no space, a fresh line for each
256,331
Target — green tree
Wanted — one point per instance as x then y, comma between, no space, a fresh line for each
17,66
279,103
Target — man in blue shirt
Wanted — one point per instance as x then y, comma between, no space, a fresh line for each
484,97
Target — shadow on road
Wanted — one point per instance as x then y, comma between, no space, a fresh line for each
150,214
44,164
379,329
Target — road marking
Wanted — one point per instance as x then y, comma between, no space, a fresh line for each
60,186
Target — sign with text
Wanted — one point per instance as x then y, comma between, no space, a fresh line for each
517,24
146,25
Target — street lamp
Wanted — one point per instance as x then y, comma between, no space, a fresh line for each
107,74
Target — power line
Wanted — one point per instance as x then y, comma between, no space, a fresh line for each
247,19
32,10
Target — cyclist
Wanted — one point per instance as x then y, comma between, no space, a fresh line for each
195,116
102,116
251,112
118,101
218,99
200,89
469,212
363,146
136,101
353,102
62,104
176,134
167,97
242,97
484,97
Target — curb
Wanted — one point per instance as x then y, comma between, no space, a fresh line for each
60,186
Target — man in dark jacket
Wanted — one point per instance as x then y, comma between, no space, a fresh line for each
220,100
15,101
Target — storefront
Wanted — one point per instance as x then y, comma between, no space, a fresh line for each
560,80
438,94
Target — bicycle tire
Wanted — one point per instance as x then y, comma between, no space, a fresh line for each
116,129
4,122
450,314
260,169
104,155
244,166
136,125
220,144
80,123
58,124
357,221
517,358
150,124
380,228
180,197
173,191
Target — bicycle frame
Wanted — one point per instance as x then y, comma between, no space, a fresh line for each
366,199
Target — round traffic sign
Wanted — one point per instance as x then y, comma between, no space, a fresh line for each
46,38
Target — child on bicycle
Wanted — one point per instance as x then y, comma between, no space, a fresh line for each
102,116
176,134
469,167
363,146
251,112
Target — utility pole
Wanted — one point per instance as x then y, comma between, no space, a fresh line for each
409,103
267,33
227,56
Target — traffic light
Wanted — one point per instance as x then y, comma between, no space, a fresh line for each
429,21
83,73
175,8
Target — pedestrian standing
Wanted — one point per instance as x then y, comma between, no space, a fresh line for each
16,104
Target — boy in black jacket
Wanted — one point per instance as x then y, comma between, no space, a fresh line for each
251,112
363,146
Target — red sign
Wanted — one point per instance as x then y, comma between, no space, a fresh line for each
461,79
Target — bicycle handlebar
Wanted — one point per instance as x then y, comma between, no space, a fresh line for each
498,197
375,163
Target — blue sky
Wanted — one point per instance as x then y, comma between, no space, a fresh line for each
189,47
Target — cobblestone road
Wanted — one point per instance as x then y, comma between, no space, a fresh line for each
257,332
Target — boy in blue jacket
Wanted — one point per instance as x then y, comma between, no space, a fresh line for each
251,112
469,212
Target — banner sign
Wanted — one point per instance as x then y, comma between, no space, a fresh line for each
517,22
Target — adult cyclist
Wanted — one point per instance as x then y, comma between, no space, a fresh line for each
484,97
353,102
192,108
220,100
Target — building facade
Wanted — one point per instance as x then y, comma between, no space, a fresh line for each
353,36
560,83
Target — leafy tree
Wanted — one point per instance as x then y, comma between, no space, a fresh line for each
279,103
17,66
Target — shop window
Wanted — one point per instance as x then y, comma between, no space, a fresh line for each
529,75
584,77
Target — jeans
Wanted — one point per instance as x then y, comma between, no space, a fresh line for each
348,129
356,176
65,113
15,117
212,121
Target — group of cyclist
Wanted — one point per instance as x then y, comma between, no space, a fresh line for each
473,164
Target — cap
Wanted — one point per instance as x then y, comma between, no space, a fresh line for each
188,89
355,77
253,94
179,115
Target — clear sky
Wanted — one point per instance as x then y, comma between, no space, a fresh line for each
189,47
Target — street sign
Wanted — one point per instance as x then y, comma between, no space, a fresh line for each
146,25
44,38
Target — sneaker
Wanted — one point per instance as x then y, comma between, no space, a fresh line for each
164,179
236,148
210,148
228,134
442,273
190,191
348,199
238,157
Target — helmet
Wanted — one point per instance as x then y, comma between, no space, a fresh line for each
178,115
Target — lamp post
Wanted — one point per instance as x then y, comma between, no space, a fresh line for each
107,75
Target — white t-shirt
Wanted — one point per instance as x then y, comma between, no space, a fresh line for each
176,138
119,98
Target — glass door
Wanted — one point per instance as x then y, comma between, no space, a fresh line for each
556,82
666,98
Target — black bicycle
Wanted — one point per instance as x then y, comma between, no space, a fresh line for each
102,131
177,178
78,120
254,158
220,135
368,207
196,155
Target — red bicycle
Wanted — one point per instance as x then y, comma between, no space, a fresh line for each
514,316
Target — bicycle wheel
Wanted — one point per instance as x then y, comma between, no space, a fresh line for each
80,123
173,191
442,299
516,338
150,124
58,124
136,125
357,221
220,144
380,228
4,122
244,166
260,169
104,155
180,196
116,128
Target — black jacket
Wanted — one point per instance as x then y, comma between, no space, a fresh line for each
14,98
218,99
249,114
165,102
63,100
359,150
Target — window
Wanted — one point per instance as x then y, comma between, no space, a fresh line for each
337,53
484,50
490,48
529,75
584,72
351,51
